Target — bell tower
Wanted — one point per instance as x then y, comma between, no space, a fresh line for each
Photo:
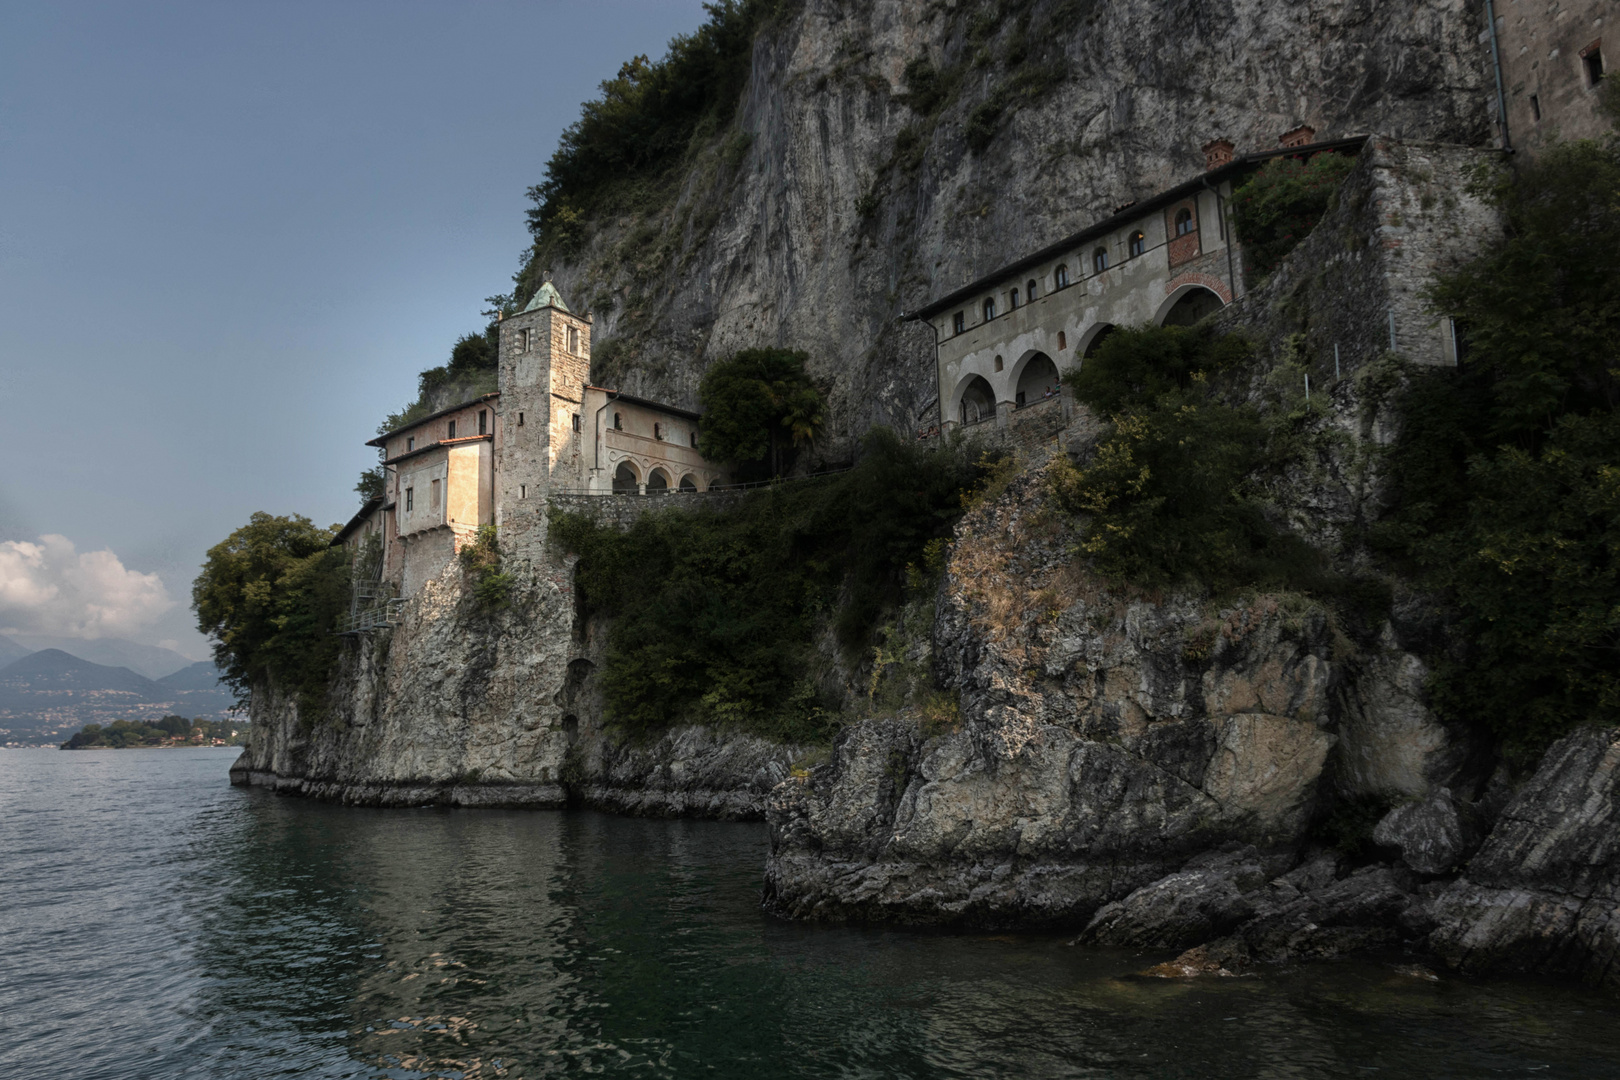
544,364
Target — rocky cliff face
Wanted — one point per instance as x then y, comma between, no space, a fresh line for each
1108,737
464,708
1159,773
849,194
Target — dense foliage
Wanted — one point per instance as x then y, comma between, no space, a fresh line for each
647,117
715,615
269,596
1281,203
481,559
1173,494
1508,468
169,731
758,407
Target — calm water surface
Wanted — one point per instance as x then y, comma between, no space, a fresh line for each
155,922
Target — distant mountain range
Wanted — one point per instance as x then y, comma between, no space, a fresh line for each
150,660
47,695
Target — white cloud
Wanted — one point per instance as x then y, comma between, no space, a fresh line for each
52,588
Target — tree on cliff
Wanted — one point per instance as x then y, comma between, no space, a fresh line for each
269,597
758,407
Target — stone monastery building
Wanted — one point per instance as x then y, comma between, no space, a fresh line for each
494,460
1004,340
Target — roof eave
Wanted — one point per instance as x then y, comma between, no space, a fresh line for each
383,438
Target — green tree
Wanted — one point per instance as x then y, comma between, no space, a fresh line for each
1175,492
373,484
269,596
1507,469
716,615
758,406
1280,204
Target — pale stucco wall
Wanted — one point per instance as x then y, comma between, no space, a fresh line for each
1130,290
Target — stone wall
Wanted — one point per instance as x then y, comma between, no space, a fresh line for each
1403,214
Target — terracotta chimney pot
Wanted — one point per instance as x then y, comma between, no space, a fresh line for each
1303,135
1217,152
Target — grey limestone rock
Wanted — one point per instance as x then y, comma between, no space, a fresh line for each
460,708
1434,835
1101,748
1543,893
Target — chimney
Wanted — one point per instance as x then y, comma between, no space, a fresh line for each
1303,135
1217,152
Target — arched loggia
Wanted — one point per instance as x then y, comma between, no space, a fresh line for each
1035,379
976,401
1188,304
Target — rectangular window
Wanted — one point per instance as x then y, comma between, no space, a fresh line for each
483,421
694,440
1535,108
520,419
452,430
410,443
523,340
410,499
1592,60
577,426
573,339
958,322
433,495
523,491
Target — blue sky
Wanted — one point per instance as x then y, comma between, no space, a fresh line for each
230,236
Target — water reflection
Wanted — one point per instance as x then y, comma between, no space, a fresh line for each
162,924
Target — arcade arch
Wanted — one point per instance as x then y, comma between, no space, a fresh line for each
1187,305
1034,378
625,480
975,400
1092,340
657,481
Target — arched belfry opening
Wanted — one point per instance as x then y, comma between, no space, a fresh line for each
1194,303
625,481
978,401
1037,381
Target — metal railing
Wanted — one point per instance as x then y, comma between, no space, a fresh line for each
381,613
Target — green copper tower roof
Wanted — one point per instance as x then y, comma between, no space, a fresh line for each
547,296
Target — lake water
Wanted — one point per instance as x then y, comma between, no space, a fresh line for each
155,922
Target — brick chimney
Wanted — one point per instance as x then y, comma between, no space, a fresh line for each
1217,152
1303,135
